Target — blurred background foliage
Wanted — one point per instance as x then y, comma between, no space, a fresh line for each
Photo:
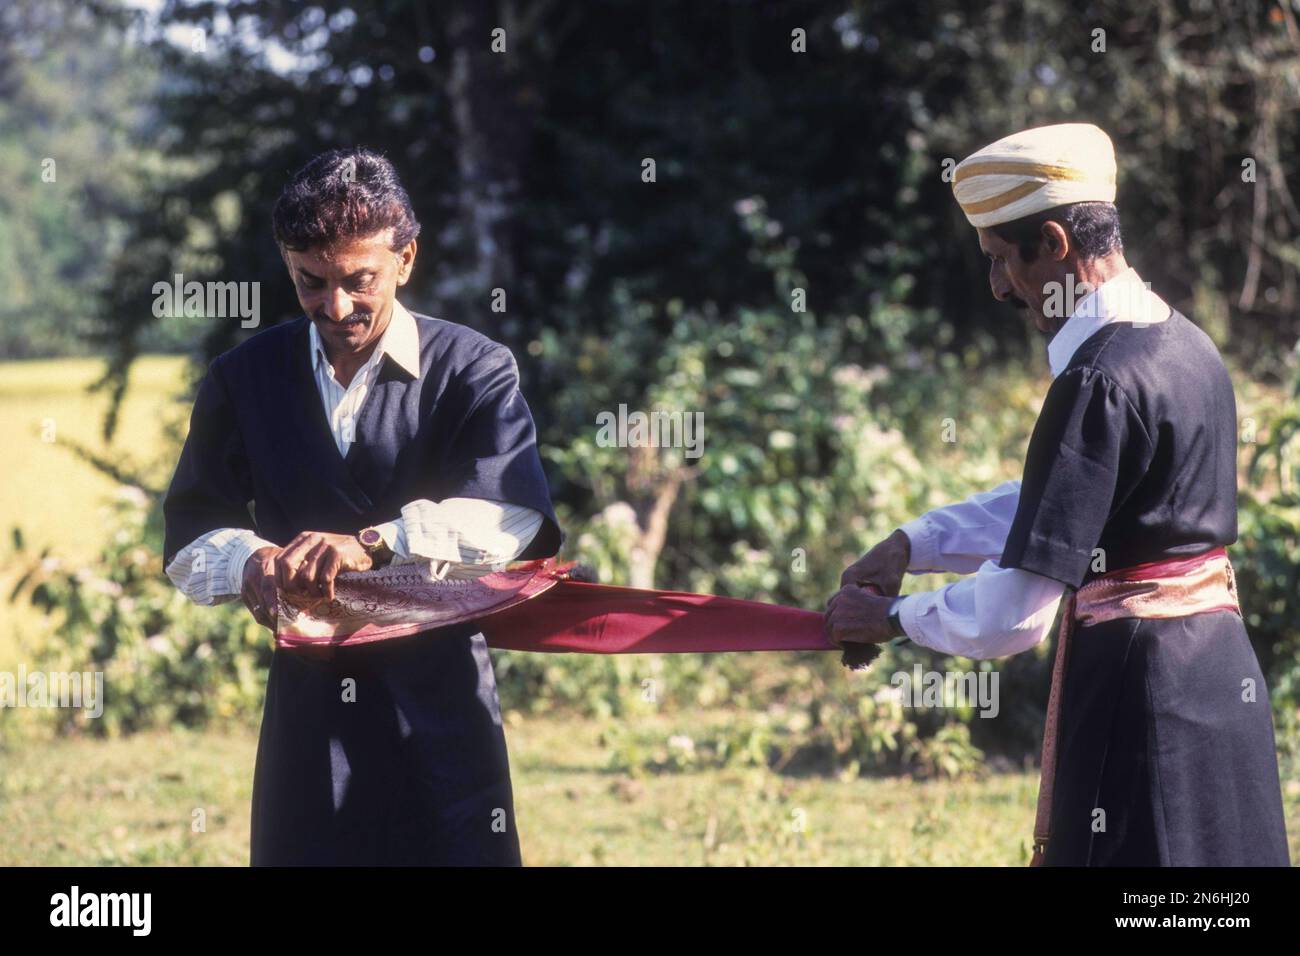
175,124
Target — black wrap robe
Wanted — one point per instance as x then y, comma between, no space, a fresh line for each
1165,726
414,770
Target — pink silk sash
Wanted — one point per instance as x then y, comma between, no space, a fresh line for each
534,607
1174,587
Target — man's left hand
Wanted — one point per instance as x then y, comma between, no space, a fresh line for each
306,568
858,615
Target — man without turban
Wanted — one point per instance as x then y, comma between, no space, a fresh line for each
357,435
1158,748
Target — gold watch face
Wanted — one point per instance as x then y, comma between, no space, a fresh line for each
370,539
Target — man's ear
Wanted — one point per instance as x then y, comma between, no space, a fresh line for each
405,262
1056,240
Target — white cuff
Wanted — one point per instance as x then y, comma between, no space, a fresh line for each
908,606
921,533
210,569
241,550
394,535
427,532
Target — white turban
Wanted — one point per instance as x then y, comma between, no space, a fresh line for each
1034,170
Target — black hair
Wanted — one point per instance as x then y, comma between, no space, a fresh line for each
1093,228
340,195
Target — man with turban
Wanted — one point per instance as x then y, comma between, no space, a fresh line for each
1158,747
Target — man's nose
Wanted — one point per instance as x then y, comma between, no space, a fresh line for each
1000,286
338,305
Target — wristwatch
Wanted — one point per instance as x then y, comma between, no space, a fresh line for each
896,622
375,545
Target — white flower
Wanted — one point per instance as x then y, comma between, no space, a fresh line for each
620,513
99,585
132,495
889,694
781,440
158,643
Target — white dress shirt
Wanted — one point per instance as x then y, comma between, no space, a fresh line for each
464,537
1001,611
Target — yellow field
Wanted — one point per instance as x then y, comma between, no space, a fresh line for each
47,491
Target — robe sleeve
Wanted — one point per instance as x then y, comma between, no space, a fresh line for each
493,454
1088,451
212,487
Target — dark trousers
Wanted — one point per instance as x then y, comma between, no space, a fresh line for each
384,754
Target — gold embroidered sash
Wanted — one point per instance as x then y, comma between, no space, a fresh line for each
1179,587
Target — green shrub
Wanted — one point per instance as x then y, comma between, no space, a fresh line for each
1266,557
801,475
165,660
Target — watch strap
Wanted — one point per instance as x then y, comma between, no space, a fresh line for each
895,620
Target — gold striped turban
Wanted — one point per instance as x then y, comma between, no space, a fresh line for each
1034,170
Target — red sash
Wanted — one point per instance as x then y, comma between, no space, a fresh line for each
535,607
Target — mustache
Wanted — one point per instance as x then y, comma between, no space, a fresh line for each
1017,303
322,317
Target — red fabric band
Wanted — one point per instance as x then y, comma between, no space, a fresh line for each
585,618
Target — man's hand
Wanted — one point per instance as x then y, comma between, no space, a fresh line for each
858,615
883,566
259,586
306,568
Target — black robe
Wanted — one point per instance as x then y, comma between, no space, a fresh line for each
415,769
1134,454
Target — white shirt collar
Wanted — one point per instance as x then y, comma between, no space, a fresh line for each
1124,298
400,342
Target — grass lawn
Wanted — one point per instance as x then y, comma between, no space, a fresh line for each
573,810
133,801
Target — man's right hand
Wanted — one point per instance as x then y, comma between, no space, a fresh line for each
883,566
259,593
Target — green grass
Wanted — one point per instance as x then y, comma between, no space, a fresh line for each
131,801
574,810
